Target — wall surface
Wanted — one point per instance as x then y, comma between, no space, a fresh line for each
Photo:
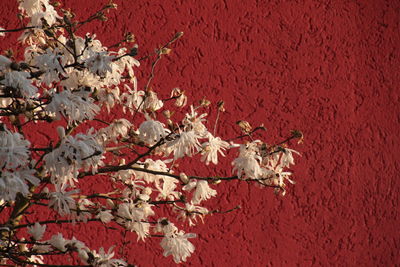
328,68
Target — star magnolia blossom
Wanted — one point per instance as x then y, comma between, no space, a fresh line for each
211,149
203,191
176,243
37,231
19,80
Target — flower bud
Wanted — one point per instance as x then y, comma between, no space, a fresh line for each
244,126
110,203
220,105
184,178
178,35
61,132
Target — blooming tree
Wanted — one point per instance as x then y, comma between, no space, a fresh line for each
66,82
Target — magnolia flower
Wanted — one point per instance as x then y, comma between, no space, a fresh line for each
248,166
151,102
73,153
111,133
166,187
19,81
127,63
75,106
13,149
62,201
12,183
80,247
49,63
132,99
186,143
191,212
105,216
100,63
211,149
81,78
176,243
153,165
181,98
102,259
82,212
287,157
108,97
2,33
248,162
58,242
151,131
38,10
131,216
37,231
203,190
194,122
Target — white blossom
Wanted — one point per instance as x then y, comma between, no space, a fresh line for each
167,186
58,242
176,243
105,216
62,201
287,157
103,259
37,231
151,102
81,78
131,216
38,10
181,98
132,99
19,81
100,63
190,212
248,162
127,63
151,131
49,63
202,190
75,106
73,153
15,182
211,149
186,143
193,121
117,129
13,149
36,259
82,211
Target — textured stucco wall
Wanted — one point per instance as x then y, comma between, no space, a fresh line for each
329,68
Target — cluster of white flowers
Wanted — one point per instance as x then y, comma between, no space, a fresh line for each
19,81
73,79
14,171
73,153
39,10
92,257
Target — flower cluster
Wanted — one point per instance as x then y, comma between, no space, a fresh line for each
79,83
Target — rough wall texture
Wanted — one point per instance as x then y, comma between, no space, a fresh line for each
329,68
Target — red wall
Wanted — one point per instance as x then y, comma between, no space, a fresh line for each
328,68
